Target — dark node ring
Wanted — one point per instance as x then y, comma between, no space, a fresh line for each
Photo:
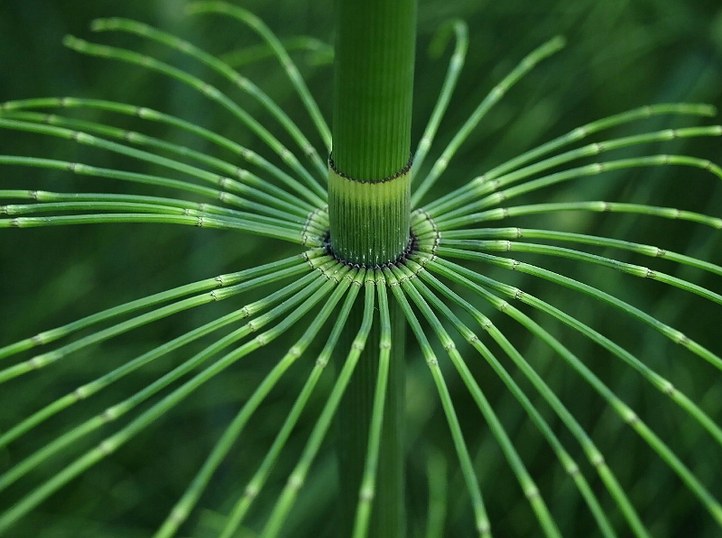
405,170
411,247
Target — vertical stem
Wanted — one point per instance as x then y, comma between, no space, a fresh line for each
374,74
388,514
369,212
369,176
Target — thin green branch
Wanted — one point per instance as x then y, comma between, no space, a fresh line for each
656,380
594,240
456,64
584,257
147,114
526,482
249,185
451,218
85,391
671,213
568,463
248,18
667,331
496,93
47,200
625,412
482,524
298,475
220,281
211,92
215,458
292,311
257,482
577,134
483,184
219,66
594,455
371,462
288,209
249,226
292,294
318,52
45,359
105,207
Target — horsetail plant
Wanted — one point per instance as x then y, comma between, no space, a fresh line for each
383,252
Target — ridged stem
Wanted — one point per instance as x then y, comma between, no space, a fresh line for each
369,213
369,172
373,83
369,221
388,515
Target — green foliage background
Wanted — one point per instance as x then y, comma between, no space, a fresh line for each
621,54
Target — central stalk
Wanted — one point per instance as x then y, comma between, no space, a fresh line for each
369,179
369,212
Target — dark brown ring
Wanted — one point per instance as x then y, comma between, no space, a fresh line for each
405,170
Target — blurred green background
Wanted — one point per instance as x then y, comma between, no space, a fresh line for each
620,55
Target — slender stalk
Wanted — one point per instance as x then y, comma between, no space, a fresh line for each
369,214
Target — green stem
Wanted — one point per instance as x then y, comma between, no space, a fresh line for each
369,221
374,78
354,428
369,215
370,166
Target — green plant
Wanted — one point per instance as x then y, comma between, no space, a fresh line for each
458,297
